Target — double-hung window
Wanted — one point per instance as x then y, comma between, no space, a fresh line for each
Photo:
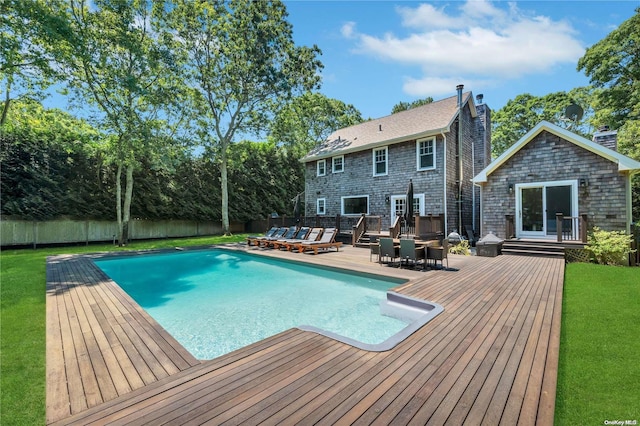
338,164
380,159
426,154
321,207
321,167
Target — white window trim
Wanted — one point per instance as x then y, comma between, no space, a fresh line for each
322,201
353,196
418,168
324,162
386,160
333,164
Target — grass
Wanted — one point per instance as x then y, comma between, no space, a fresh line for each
22,323
599,371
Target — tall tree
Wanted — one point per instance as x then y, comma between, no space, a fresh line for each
524,112
120,60
613,65
309,119
403,106
242,64
30,35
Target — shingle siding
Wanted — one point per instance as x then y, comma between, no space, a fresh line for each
548,158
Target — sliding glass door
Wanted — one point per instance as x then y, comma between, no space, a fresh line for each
538,203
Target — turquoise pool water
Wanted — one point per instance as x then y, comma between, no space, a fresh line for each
216,301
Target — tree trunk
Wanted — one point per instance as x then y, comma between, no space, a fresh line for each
128,195
225,192
119,203
5,108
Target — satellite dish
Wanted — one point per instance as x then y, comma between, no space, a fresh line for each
574,112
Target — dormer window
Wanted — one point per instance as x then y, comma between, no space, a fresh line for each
321,167
426,154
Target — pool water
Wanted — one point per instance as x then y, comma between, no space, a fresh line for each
216,301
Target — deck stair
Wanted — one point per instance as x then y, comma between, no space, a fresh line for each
536,247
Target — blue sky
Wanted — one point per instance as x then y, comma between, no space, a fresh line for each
377,53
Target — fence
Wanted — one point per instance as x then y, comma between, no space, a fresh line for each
34,233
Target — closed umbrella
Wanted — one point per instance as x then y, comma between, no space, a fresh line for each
296,208
409,216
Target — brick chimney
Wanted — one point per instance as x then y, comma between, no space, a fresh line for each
607,138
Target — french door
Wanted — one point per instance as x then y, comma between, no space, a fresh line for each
538,203
399,205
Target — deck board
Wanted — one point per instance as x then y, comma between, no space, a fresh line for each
490,358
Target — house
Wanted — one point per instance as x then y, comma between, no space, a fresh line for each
552,177
366,168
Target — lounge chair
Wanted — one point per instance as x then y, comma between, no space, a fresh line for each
325,242
387,249
409,252
252,240
300,235
312,235
288,233
279,233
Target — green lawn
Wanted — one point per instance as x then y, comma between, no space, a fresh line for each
22,324
599,376
599,372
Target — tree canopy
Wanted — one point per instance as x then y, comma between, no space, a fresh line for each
309,119
613,65
403,106
524,112
242,63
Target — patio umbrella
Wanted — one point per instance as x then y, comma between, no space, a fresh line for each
409,216
296,208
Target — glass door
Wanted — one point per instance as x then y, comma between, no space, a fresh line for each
531,211
558,200
398,207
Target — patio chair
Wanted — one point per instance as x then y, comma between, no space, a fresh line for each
387,249
312,235
252,240
325,242
439,253
409,252
374,248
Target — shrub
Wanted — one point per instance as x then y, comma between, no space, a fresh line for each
461,248
609,247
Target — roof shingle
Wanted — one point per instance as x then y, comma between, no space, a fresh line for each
425,120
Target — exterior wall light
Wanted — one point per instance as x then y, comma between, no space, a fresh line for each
584,183
510,187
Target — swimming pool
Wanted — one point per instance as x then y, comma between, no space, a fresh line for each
215,301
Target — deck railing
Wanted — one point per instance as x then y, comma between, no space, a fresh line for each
394,229
571,228
359,229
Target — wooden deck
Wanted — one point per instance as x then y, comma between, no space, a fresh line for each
490,358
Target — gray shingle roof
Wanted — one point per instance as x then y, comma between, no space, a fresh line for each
425,120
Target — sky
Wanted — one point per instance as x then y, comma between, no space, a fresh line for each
378,53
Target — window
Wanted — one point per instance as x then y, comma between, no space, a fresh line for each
321,206
322,167
426,154
380,161
355,205
338,164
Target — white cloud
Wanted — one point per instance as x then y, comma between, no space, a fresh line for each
348,29
480,41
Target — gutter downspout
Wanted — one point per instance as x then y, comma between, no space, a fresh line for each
459,88
444,180
473,190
